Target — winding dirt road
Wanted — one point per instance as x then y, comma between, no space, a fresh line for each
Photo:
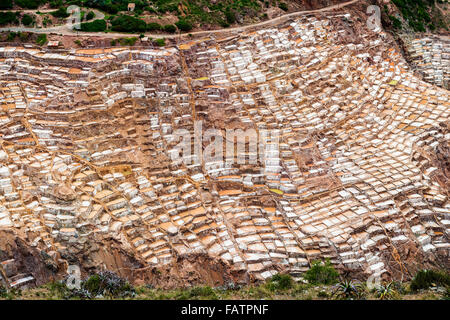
66,30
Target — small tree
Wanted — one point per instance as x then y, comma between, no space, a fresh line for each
184,25
8,17
6,4
11,36
283,6
27,20
153,26
322,273
280,282
90,15
170,28
124,23
230,15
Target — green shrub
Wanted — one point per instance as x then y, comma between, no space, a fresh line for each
417,26
90,15
46,21
27,20
160,42
164,6
184,25
170,28
109,6
396,23
93,284
57,288
149,9
283,6
153,26
224,24
28,4
60,13
98,25
322,273
280,282
125,23
6,4
56,3
230,15
11,36
7,18
41,39
425,279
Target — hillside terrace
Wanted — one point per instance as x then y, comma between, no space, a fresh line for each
86,138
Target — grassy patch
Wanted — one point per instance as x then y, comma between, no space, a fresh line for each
94,288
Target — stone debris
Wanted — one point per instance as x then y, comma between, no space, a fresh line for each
87,136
